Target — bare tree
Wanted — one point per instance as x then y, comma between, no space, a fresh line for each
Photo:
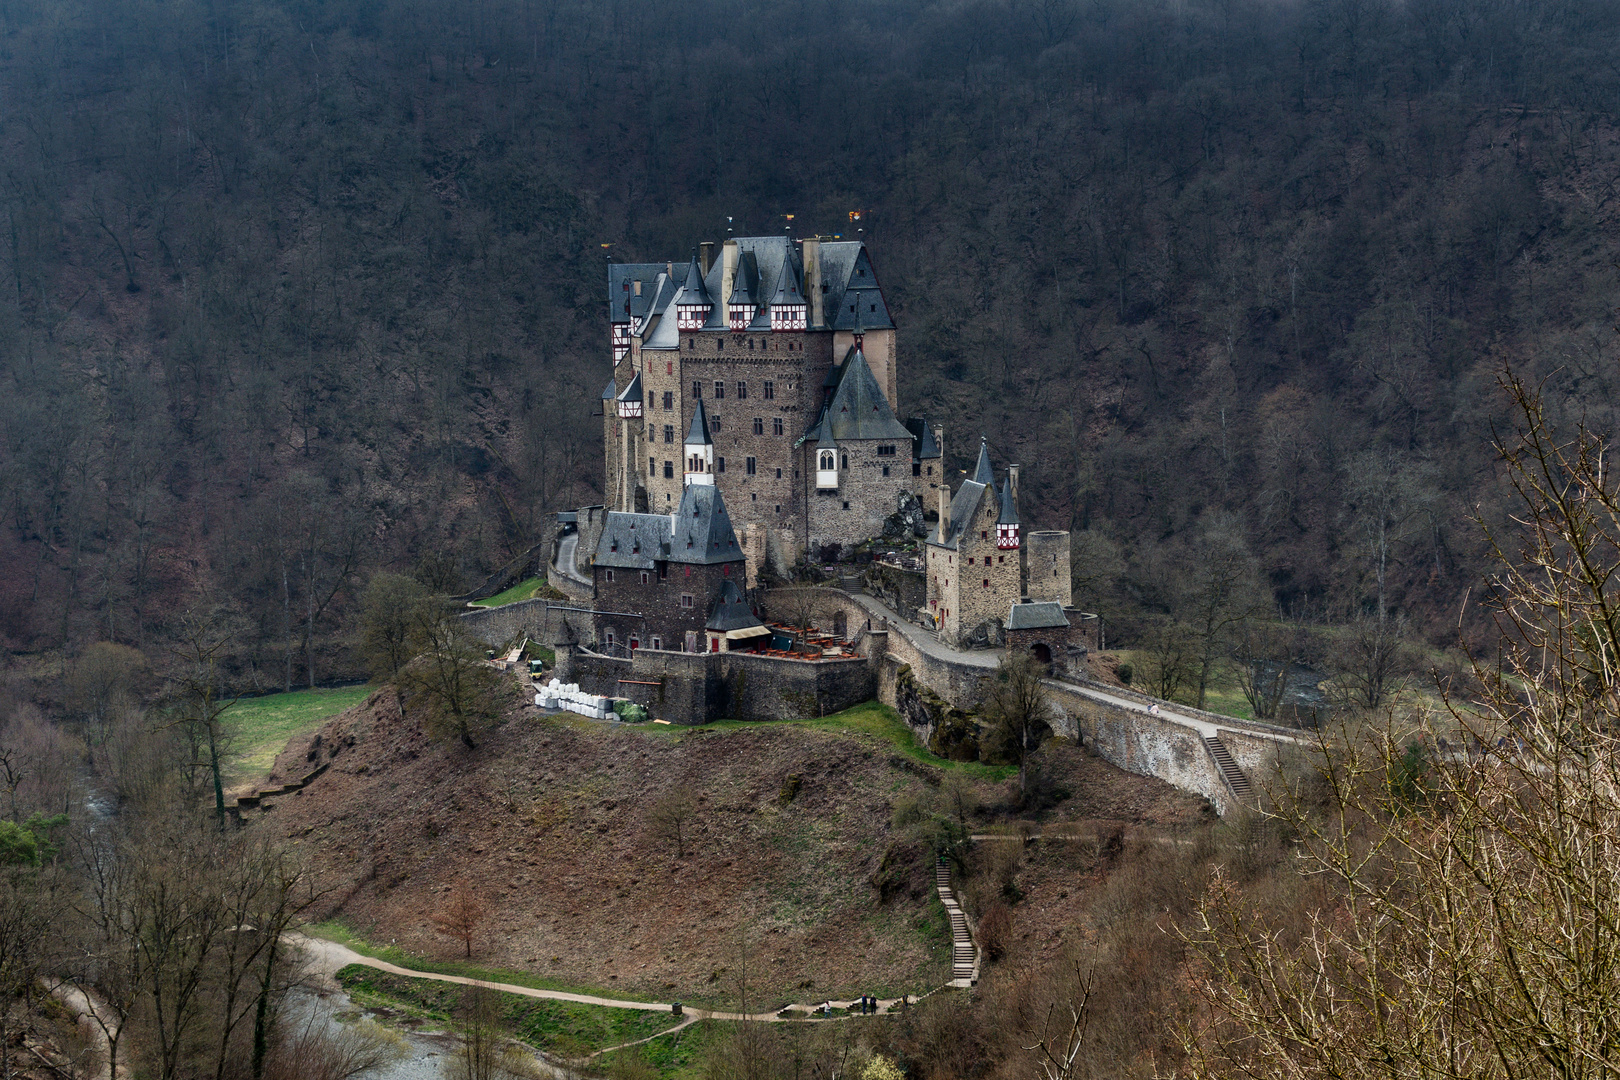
462,693
388,609
1477,890
1170,661
1018,711
669,819
462,915
198,705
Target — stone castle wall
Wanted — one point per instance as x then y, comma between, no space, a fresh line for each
538,620
694,688
1046,567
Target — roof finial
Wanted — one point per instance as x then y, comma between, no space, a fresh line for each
728,226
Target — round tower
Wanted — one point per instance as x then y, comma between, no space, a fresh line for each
1046,565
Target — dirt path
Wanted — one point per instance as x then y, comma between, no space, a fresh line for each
328,958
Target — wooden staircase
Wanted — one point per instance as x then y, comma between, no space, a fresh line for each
964,956
1236,782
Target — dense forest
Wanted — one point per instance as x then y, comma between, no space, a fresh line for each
292,292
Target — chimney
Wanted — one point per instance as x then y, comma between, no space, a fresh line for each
638,286
812,277
728,275
706,259
944,509
1012,479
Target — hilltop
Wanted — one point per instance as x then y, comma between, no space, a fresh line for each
548,820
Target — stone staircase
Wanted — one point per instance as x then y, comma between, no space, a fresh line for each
257,801
1236,782
964,955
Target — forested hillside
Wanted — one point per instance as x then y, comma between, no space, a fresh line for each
292,292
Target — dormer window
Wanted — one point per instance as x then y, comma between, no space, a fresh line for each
788,316
741,316
691,316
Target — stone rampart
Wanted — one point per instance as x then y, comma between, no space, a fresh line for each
694,688
543,621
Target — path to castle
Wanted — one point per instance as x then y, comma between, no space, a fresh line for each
565,558
928,644
328,958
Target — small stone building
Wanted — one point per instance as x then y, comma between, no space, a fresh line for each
1044,630
660,578
973,558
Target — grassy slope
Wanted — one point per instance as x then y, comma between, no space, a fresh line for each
523,590
264,724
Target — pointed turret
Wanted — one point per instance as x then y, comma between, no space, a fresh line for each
630,400
693,304
982,473
699,449
743,304
788,309
1007,532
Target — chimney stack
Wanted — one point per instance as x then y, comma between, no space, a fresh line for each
812,278
706,259
944,486
728,276
1012,479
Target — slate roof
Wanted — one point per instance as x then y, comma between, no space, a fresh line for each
698,433
787,286
982,473
703,533
633,540
695,292
633,391
699,533
623,303
1037,616
926,445
963,506
1009,508
731,611
852,288
858,409
611,391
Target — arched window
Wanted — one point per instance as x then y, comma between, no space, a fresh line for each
827,460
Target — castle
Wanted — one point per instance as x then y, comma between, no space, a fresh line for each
770,374
749,429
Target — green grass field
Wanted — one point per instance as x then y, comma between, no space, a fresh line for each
558,1027
523,590
264,724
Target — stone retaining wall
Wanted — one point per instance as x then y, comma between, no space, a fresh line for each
694,688
500,627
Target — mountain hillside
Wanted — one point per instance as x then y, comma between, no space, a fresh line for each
548,821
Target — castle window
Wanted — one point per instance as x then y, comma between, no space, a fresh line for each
749,465
779,509
846,461
770,390
645,578
719,344
826,461
607,638
652,466
776,425
885,451
742,391
930,470
658,642
846,504
885,470
714,424
759,425
609,575
669,368
669,470
719,389
1003,558
987,583
669,433
635,642
725,571
779,474
669,400
697,389
686,600
916,468
984,534
719,464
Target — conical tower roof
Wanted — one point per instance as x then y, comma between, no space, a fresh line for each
787,286
633,391
698,435
1009,508
982,473
695,291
